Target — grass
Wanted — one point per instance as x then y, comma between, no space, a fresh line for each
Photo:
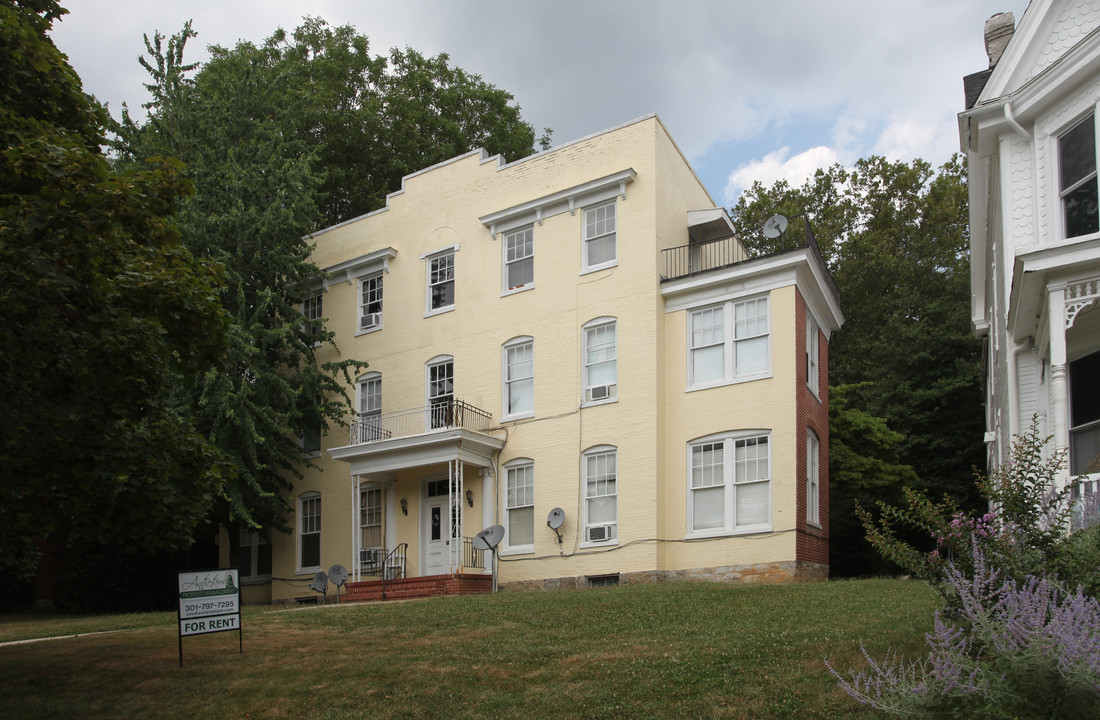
677,650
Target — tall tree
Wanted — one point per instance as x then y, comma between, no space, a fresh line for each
281,138
896,238
103,317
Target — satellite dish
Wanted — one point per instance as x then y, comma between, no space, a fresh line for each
489,538
555,518
320,582
338,574
775,226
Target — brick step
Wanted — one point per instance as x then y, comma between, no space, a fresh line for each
421,587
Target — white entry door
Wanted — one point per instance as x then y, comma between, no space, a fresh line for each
434,536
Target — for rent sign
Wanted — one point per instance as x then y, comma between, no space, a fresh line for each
210,601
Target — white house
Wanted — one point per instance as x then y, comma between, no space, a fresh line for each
1029,133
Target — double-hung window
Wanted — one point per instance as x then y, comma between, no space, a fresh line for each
253,556
369,422
519,259
728,342
312,310
371,553
600,361
519,505
441,392
519,378
370,303
1084,415
601,495
813,381
441,282
1078,183
729,485
813,487
309,531
599,237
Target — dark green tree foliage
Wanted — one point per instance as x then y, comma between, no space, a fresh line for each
864,469
103,317
280,139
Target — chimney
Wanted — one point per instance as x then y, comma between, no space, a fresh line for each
998,31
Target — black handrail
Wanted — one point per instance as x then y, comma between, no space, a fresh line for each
471,556
395,561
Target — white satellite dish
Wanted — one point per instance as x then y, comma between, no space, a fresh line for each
320,582
775,226
338,574
489,538
554,521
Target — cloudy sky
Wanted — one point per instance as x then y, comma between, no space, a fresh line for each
749,89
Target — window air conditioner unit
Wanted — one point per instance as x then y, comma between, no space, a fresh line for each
599,533
370,320
600,392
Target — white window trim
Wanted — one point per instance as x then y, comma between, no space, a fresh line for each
428,258
437,360
586,267
598,450
729,356
504,288
319,296
504,380
813,479
613,395
813,353
302,499
255,539
359,329
1059,191
506,548
730,528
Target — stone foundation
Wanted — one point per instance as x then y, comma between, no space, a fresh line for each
758,573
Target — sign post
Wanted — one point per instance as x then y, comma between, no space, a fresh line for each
210,601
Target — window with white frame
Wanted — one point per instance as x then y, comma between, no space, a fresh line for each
729,485
370,302
519,259
728,342
441,392
309,531
441,282
813,487
519,504
253,556
1078,180
312,309
813,380
600,361
369,404
601,495
371,545
519,377
599,236
1084,414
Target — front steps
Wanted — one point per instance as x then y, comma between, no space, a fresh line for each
418,587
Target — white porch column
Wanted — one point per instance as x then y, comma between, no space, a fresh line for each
488,498
355,539
1059,407
390,520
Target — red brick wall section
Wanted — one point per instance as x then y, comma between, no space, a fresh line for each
812,414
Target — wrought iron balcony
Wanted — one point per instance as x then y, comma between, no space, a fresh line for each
448,415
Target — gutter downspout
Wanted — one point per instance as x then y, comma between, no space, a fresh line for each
1010,118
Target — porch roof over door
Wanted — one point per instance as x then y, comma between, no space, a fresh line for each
437,446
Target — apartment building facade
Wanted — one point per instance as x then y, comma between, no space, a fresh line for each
576,332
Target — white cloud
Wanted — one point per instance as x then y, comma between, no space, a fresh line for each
777,166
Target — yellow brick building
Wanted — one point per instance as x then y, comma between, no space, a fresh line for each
577,330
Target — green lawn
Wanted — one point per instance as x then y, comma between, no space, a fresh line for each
677,650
